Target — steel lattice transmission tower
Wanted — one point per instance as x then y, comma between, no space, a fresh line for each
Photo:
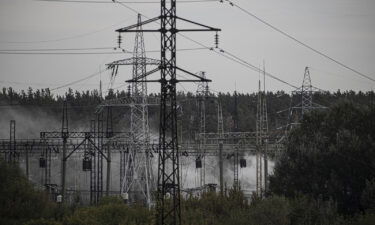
220,131
136,183
202,94
168,195
261,139
306,92
304,97
139,172
236,182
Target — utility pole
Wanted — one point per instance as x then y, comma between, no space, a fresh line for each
202,94
236,184
265,134
109,134
64,135
258,143
13,156
46,158
99,157
168,196
262,139
92,156
27,162
220,131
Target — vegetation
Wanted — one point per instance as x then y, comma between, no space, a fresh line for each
326,175
82,105
331,157
19,201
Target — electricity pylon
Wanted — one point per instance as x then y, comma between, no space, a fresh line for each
220,131
136,183
236,183
306,92
261,139
139,174
304,97
168,210
202,94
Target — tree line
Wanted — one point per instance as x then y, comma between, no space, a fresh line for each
82,105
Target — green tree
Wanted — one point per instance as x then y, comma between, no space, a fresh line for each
19,201
329,157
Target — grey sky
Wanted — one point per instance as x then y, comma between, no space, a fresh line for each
344,29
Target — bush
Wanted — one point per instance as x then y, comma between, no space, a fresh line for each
110,212
19,201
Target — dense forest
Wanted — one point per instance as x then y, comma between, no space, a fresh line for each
82,106
325,176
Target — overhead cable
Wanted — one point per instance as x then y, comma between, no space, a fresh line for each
299,42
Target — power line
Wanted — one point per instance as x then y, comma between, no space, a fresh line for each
158,51
58,53
38,84
77,81
299,42
127,2
257,69
229,56
68,37
44,106
235,59
238,60
56,49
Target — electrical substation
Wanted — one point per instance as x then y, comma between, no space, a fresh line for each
147,168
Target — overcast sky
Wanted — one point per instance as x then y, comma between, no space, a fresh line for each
343,29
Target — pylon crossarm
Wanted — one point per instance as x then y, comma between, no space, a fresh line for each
189,81
129,28
208,28
201,79
140,78
132,61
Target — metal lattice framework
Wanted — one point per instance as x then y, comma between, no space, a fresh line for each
137,170
202,94
128,101
168,197
236,182
262,138
304,96
97,147
306,92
